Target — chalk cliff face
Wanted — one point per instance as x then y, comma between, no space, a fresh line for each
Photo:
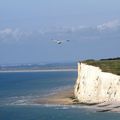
95,86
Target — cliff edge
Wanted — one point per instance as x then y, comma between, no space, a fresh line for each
95,86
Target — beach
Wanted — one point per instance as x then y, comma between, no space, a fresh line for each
59,98
66,97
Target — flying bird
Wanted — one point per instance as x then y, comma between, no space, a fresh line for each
68,40
60,41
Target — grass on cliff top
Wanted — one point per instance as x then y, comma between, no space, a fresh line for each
111,65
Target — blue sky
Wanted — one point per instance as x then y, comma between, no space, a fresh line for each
27,27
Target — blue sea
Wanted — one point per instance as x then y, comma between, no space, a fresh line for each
19,90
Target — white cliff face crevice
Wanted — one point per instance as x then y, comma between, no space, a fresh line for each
95,86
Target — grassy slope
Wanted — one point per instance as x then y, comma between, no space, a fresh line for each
112,66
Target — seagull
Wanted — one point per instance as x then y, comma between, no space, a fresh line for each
58,41
68,40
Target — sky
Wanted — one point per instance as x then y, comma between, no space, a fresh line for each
28,28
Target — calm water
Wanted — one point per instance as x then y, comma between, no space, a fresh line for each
18,90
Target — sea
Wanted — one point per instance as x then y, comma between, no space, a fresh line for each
18,90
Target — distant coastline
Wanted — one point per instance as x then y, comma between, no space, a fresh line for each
45,70
55,67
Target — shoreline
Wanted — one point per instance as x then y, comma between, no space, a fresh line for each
47,70
66,97
62,97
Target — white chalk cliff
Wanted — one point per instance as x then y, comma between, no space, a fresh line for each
95,86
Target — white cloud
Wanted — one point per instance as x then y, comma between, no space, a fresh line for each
109,25
9,34
6,31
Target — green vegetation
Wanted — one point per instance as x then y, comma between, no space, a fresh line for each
111,65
